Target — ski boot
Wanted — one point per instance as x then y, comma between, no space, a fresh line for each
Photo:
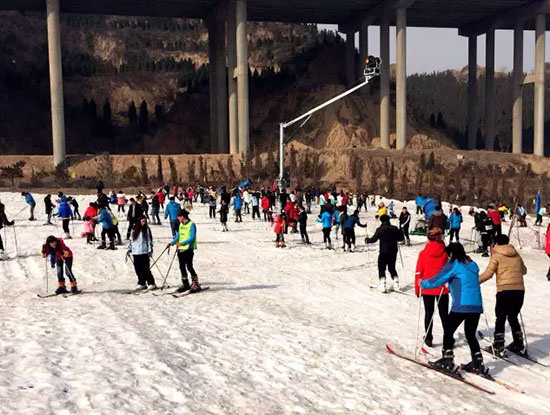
395,284
102,246
517,346
152,287
195,287
283,244
61,289
476,365
382,286
498,345
3,255
408,242
277,244
140,287
446,362
112,246
352,249
74,288
184,287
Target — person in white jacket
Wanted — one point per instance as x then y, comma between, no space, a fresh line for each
246,201
141,249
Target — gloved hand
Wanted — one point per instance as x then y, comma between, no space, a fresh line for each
66,254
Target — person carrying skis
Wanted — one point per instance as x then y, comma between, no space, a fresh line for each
430,261
141,249
389,236
462,275
49,208
404,223
65,213
349,230
186,242
30,201
60,255
455,222
108,228
3,222
302,220
326,220
509,268
224,213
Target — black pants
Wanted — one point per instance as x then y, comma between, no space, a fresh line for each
49,214
246,207
454,233
238,215
349,237
131,225
508,306
66,225
471,320
429,308
120,208
185,259
280,237
485,240
303,233
143,270
419,210
405,230
1,244
255,212
116,233
539,220
266,215
110,233
497,230
387,260
212,212
174,226
326,235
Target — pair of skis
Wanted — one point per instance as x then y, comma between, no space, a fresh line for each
455,375
489,350
65,295
176,294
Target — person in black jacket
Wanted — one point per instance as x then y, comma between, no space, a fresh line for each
404,223
302,220
484,225
3,221
134,213
389,236
49,208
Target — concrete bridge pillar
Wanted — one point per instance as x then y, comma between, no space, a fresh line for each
242,77
472,92
218,86
232,80
490,90
350,57
385,81
540,34
363,48
56,81
517,128
401,78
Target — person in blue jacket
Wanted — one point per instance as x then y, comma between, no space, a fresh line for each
108,228
237,205
462,276
30,201
65,213
455,222
349,230
326,220
171,211
419,201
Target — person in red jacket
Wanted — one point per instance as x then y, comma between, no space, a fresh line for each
161,197
547,249
89,214
265,207
494,214
430,261
279,228
60,255
293,217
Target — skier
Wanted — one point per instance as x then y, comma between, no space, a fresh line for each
382,210
76,214
309,198
462,275
389,236
224,213
349,230
89,222
155,209
543,211
437,219
521,215
302,220
430,261
186,242
484,226
3,222
279,226
141,249
455,222
246,200
108,228
255,202
171,213
212,207
121,201
404,223
391,214
326,219
265,207
134,212
509,268
493,213
49,208
60,255
30,201
65,213
142,201
237,206
419,201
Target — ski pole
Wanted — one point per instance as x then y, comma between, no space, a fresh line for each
436,307
418,324
487,325
15,240
161,254
46,275
524,332
169,268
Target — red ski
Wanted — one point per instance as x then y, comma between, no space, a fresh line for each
456,376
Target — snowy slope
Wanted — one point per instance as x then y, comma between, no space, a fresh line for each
295,331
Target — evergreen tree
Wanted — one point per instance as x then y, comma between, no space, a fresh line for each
144,174
132,114
391,180
160,175
430,164
143,118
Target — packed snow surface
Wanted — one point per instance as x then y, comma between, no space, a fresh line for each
281,331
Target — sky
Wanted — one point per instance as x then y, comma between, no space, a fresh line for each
431,50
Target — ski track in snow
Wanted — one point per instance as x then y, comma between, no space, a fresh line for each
281,331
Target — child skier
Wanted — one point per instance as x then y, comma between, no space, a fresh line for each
108,228
224,213
76,214
279,228
65,213
455,222
349,230
30,201
60,255
326,220
49,208
141,248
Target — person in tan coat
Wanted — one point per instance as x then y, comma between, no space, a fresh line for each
509,269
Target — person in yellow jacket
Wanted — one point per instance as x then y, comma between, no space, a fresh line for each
186,242
509,268
382,210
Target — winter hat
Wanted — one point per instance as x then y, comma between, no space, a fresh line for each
435,234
